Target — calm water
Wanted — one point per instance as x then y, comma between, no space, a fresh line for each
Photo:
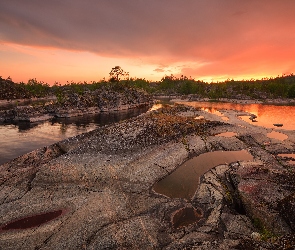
33,221
184,181
267,115
21,138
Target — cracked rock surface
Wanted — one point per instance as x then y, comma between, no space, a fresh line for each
103,181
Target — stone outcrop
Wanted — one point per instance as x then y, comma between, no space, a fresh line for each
10,90
103,181
69,104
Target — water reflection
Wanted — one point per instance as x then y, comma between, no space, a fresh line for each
212,110
156,106
4,105
277,135
267,115
292,156
20,138
183,182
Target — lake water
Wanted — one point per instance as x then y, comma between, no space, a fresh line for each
21,138
267,115
16,140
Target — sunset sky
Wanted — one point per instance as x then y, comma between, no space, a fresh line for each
81,40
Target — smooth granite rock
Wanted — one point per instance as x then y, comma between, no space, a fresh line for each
102,181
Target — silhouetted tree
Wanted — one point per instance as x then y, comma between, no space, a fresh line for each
117,73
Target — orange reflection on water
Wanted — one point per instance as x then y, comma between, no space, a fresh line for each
267,115
277,135
156,107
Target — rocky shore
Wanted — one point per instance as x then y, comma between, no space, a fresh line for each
244,100
69,104
98,188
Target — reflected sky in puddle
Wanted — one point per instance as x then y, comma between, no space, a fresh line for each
277,135
183,182
287,155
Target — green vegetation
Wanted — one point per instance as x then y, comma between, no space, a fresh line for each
279,87
35,88
264,232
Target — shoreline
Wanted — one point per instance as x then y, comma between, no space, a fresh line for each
68,113
105,178
71,111
276,101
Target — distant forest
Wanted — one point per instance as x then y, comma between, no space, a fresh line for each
278,87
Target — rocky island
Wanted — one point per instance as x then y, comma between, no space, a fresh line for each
67,101
98,190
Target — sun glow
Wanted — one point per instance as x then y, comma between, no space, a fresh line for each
51,65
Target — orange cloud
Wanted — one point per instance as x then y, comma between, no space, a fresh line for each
203,39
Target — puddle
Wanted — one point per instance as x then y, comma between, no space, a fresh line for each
32,221
287,156
184,181
277,135
291,158
199,117
186,216
227,134
225,118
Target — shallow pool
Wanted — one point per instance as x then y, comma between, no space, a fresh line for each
184,181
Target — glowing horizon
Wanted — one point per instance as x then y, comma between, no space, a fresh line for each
90,67
205,40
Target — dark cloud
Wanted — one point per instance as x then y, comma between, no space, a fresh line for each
159,70
166,31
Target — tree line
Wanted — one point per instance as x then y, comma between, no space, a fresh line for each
278,87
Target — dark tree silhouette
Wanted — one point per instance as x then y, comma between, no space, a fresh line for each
117,73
